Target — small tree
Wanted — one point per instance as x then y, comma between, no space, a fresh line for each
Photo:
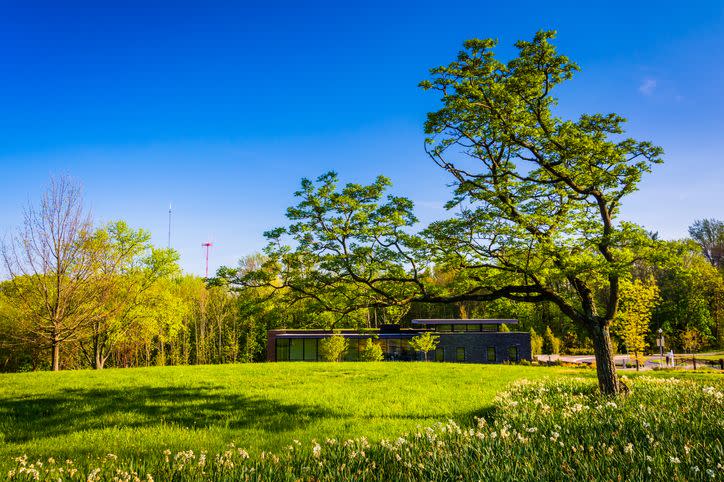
426,342
333,348
370,351
536,343
504,328
632,323
551,344
691,340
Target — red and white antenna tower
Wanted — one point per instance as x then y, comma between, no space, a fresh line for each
208,246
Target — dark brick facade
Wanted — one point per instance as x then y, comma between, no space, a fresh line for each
476,346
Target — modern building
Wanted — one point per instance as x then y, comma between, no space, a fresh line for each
465,341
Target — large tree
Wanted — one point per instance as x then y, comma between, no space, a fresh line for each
537,199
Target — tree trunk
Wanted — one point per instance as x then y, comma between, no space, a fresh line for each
100,361
97,355
608,381
56,354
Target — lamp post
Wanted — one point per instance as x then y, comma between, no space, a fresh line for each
661,343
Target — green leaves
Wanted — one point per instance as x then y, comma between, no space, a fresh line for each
541,193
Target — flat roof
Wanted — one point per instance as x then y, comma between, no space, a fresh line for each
486,321
396,334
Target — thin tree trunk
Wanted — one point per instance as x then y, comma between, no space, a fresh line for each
97,355
56,354
608,381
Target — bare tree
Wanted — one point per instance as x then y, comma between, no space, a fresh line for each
51,265
709,233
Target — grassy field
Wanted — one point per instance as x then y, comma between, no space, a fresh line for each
358,421
134,412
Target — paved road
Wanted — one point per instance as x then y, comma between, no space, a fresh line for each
620,360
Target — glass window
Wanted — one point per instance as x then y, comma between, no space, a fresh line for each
282,349
490,327
296,349
458,327
513,353
439,354
352,353
491,354
407,352
310,349
393,349
460,354
473,327
444,327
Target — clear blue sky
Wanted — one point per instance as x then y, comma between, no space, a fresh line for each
221,108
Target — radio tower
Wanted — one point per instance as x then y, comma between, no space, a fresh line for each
208,246
169,225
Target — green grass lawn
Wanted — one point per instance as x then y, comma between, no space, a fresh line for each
670,424
136,412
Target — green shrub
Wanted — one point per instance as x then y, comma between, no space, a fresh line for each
331,349
536,343
370,351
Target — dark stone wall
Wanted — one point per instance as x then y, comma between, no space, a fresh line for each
476,346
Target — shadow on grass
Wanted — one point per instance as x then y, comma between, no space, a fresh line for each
74,410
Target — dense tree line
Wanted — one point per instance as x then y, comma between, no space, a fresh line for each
79,295
121,302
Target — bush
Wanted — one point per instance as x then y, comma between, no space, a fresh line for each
370,351
536,343
579,351
331,349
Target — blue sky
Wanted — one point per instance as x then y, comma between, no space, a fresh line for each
220,108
